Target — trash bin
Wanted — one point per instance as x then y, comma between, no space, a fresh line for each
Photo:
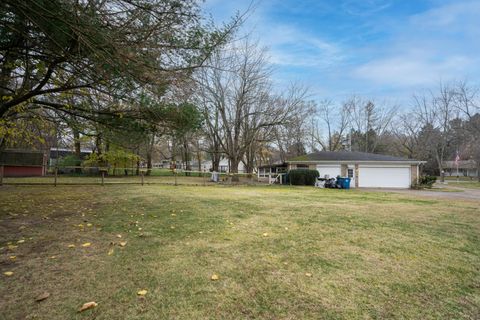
340,182
346,183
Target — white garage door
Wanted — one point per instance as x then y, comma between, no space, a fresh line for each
332,170
384,177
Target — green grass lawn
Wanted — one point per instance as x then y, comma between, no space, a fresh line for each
279,252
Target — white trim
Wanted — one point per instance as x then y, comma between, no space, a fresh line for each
401,162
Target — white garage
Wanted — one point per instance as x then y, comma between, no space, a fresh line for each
367,170
384,176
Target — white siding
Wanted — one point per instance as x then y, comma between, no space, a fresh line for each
384,176
332,170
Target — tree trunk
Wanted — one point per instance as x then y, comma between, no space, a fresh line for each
234,169
78,154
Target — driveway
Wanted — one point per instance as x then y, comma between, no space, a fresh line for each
450,192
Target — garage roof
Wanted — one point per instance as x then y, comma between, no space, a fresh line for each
346,156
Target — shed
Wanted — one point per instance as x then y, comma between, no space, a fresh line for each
23,163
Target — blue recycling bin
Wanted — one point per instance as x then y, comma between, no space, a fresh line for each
345,183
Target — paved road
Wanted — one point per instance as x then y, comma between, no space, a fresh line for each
463,193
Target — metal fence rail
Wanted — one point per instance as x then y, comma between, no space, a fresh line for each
96,175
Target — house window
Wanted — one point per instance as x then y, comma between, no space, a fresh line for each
350,173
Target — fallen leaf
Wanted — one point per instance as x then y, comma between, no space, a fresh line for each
286,228
119,235
89,224
110,252
214,277
123,243
86,244
21,241
11,247
42,296
265,234
13,257
71,246
53,257
308,274
8,273
173,214
80,225
142,292
88,305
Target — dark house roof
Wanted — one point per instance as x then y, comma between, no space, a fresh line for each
345,156
275,165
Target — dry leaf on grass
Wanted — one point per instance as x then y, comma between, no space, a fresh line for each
142,292
12,257
123,243
8,273
265,234
308,274
21,241
119,235
110,252
89,224
88,305
214,277
86,244
71,246
42,296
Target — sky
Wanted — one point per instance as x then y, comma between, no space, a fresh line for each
379,49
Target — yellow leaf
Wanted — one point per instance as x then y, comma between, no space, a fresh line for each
110,252
123,243
86,244
214,277
11,246
8,273
142,292
71,246
42,296
119,235
308,274
88,305
80,225
265,234
21,241
89,224
286,228
13,257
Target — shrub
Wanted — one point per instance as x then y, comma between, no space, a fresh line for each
303,177
427,181
424,182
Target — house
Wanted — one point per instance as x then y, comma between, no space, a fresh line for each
23,163
466,168
367,170
57,154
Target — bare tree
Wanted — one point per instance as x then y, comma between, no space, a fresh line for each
235,97
331,126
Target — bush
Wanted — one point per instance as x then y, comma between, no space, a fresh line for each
303,177
425,182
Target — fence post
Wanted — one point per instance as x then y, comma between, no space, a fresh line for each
141,174
1,175
55,180
103,177
203,174
175,174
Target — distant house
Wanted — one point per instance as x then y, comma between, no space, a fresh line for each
365,169
466,168
23,163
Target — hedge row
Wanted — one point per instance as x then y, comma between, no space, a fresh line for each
302,177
